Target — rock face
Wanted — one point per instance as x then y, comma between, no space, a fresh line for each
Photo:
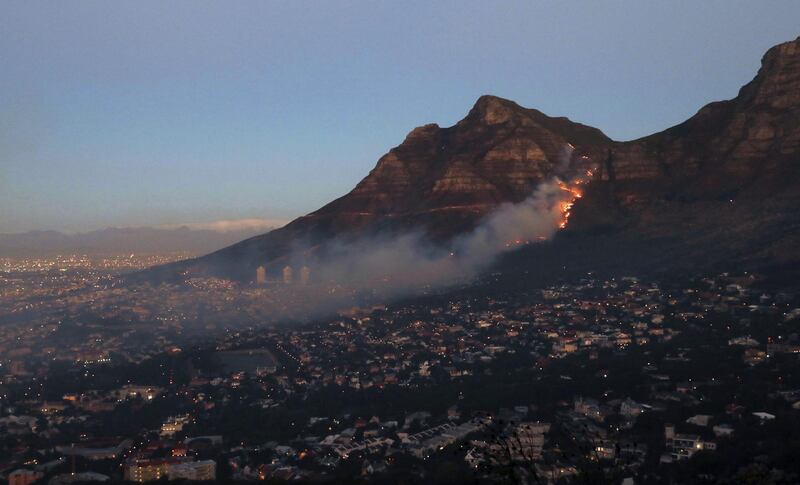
722,187
445,179
730,141
439,180
727,177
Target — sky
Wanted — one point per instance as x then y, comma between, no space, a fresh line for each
151,113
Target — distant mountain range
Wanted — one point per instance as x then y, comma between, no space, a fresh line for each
720,189
191,238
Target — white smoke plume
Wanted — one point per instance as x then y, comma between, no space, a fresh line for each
410,262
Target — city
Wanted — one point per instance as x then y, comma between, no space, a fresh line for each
399,243
615,378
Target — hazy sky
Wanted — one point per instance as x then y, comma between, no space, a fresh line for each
138,113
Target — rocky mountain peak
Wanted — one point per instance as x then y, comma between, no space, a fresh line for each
727,145
439,181
735,161
447,178
778,81
493,110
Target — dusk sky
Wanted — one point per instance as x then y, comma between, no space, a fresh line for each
149,113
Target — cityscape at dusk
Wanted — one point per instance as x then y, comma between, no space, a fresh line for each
404,243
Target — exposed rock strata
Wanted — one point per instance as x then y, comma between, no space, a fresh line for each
725,177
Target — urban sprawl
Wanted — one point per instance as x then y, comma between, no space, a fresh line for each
620,380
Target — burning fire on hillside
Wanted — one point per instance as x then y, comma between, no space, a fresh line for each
571,192
410,260
555,202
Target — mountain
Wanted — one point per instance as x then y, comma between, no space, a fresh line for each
728,146
719,188
445,179
441,181
125,240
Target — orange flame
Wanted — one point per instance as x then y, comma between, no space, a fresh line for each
574,193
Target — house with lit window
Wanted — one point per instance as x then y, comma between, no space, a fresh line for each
682,446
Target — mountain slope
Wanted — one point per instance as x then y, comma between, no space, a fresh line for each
749,136
720,188
441,181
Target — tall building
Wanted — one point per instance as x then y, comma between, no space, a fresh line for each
261,275
288,275
305,275
175,468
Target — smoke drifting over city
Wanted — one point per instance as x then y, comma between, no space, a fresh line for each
313,280
405,264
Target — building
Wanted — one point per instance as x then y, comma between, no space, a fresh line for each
17,368
261,275
589,408
149,469
288,275
605,449
683,446
131,391
305,275
68,478
723,430
527,441
194,471
174,425
104,449
774,348
145,470
754,356
23,477
180,449
630,408
699,420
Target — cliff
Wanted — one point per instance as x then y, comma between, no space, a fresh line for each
718,189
